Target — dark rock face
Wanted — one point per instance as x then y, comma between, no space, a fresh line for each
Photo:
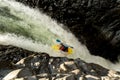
12,54
96,23
34,66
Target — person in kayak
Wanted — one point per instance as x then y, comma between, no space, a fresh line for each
63,47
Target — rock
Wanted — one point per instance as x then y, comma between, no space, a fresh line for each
63,68
76,71
38,66
70,65
12,54
90,77
12,75
70,77
25,72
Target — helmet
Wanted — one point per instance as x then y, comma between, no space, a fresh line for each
57,40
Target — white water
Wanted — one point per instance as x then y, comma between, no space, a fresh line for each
56,31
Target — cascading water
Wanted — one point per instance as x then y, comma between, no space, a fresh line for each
31,29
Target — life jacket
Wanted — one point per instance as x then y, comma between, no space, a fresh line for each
63,48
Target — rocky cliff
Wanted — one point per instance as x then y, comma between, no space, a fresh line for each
20,64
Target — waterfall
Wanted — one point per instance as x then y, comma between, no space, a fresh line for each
33,30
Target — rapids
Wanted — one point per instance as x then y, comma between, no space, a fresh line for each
33,30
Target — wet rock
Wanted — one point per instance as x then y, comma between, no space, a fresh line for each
91,77
25,72
70,77
12,54
70,65
12,75
63,68
76,71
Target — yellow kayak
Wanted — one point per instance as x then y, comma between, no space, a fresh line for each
57,48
